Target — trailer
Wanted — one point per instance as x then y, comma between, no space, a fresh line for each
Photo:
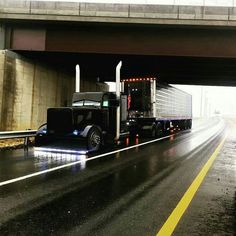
156,107
142,106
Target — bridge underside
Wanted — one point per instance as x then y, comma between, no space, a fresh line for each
174,54
169,69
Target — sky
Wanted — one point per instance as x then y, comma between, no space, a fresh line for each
208,99
162,2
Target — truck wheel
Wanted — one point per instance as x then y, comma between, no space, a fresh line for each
154,131
94,139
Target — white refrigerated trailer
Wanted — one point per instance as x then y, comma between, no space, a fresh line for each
156,107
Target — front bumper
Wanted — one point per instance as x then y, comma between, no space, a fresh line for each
57,141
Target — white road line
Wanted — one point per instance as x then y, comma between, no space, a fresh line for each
77,162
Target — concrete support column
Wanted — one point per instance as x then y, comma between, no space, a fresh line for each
2,36
2,66
27,89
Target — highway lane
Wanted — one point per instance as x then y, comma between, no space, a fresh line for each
16,163
129,192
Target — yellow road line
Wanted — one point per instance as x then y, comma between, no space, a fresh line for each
172,221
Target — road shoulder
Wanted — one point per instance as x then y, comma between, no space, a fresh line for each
213,209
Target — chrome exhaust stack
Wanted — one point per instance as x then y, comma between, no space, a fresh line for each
118,67
77,79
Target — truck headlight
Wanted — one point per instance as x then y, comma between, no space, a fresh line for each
75,132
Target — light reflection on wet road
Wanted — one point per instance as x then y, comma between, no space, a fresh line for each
125,193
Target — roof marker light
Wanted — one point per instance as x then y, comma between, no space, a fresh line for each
139,79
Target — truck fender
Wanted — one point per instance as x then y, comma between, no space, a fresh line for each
86,130
84,134
41,128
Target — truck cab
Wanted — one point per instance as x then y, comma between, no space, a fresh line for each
91,119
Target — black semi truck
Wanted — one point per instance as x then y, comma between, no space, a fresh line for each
140,106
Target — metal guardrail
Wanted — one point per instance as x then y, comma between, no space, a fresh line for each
25,134
17,134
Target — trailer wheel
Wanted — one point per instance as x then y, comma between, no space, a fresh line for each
94,139
190,124
158,130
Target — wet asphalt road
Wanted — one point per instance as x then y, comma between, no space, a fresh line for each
128,193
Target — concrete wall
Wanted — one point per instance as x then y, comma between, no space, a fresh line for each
2,36
27,89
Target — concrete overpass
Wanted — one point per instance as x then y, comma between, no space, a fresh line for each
117,13
178,44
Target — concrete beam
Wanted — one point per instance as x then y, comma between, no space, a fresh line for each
108,10
142,40
153,11
15,6
190,12
55,8
216,13
232,14
117,13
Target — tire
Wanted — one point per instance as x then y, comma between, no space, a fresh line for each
158,130
167,126
133,132
154,131
94,139
190,124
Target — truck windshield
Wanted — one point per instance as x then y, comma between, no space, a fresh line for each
86,103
